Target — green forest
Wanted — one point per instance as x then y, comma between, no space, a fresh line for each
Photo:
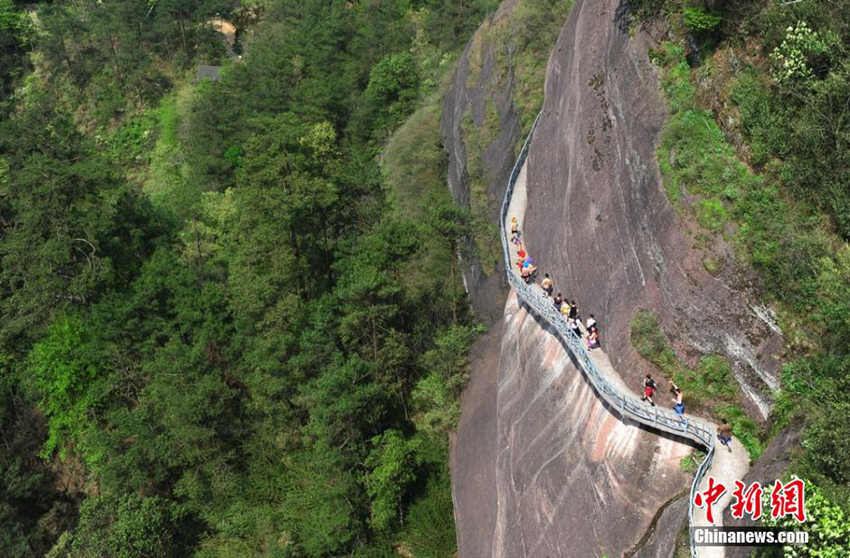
760,127
223,333
233,320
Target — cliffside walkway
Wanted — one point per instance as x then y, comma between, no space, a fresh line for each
723,466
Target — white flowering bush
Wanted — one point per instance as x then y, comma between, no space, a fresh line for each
792,57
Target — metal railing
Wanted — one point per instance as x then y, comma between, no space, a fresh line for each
626,404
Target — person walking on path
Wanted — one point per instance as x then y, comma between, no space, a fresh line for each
515,234
593,338
724,434
573,310
565,310
558,301
591,322
678,400
648,389
576,327
547,284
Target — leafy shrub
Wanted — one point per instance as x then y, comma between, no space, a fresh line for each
828,525
430,529
392,467
699,21
65,376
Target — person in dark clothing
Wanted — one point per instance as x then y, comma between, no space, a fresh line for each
558,301
648,389
573,310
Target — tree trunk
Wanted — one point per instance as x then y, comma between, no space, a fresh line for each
115,60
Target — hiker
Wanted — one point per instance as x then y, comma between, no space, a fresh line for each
591,321
558,301
514,226
547,285
648,389
521,254
573,310
593,338
516,239
526,274
724,434
565,310
678,400
576,327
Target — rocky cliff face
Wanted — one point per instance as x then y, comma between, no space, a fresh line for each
542,468
476,95
599,221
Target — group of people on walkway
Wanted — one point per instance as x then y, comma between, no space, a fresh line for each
525,263
569,311
650,387
724,430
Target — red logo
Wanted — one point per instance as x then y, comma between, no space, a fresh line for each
709,497
785,499
748,501
789,499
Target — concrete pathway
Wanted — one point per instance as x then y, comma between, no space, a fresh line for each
726,468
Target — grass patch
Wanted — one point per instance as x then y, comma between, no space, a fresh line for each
525,37
709,387
166,183
693,153
690,463
712,264
711,215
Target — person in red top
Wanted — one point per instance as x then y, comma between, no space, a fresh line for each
648,389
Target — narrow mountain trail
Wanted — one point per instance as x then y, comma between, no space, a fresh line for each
726,467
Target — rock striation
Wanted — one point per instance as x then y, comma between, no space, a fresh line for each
543,468
599,219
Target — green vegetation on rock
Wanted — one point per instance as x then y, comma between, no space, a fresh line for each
708,387
766,169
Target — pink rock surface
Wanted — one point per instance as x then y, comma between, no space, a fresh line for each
598,219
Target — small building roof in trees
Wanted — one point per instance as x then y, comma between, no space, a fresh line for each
209,72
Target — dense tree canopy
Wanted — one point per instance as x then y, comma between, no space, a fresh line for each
216,329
